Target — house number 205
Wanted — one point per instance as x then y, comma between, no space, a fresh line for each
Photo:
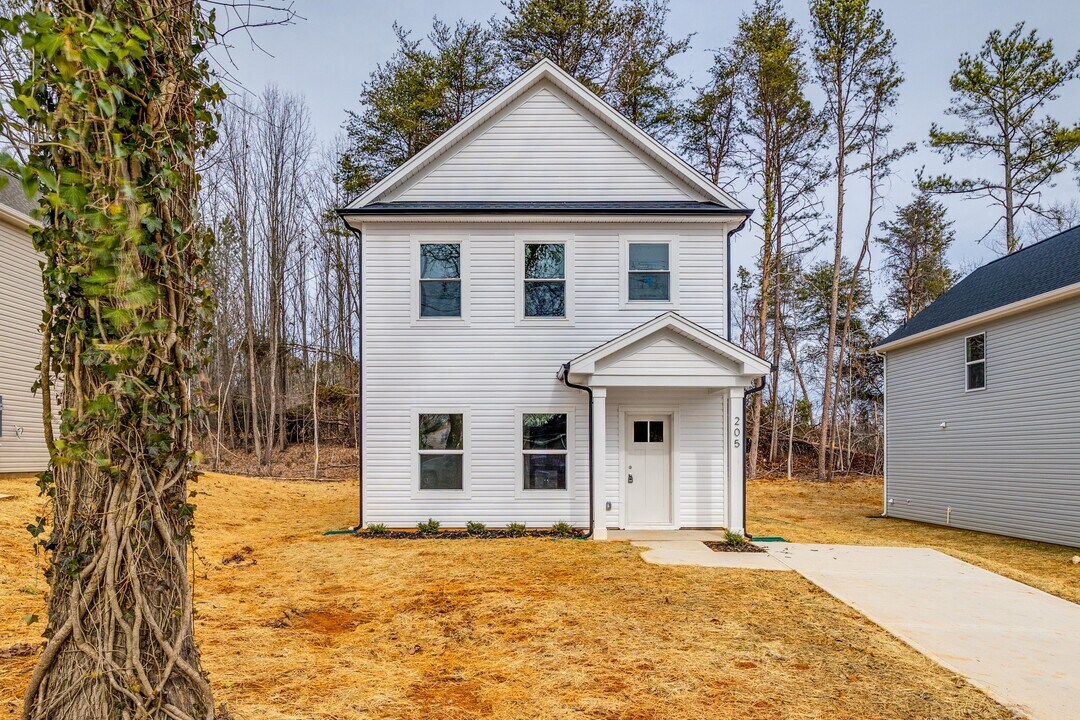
737,432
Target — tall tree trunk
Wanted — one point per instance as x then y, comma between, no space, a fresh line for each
823,471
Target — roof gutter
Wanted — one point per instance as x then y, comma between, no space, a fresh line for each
746,394
360,380
1046,298
564,375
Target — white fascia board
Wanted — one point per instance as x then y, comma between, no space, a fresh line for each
727,223
1031,303
549,70
19,219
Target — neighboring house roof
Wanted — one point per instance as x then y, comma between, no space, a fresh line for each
14,205
558,96
1043,272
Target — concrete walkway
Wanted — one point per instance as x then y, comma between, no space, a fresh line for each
695,552
1019,644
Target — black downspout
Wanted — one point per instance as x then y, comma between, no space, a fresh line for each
751,391
360,377
586,388
727,270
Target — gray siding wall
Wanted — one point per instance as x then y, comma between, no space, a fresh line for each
22,444
1009,460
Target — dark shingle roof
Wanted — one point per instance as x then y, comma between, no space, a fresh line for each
1037,269
630,207
12,195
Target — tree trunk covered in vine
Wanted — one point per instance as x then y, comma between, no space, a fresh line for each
122,102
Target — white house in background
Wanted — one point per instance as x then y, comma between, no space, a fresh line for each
22,434
982,400
546,286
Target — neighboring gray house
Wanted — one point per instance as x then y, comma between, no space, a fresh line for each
22,434
982,400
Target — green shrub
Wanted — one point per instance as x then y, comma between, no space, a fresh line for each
734,539
515,529
428,528
563,529
475,528
377,529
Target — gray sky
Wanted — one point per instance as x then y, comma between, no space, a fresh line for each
326,56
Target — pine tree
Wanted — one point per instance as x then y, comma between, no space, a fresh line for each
915,244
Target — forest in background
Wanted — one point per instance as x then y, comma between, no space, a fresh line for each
791,119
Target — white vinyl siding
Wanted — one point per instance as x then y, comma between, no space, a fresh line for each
545,147
497,367
22,445
1008,459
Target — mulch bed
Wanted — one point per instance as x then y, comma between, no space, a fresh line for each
744,547
463,535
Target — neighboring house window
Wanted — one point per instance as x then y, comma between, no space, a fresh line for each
442,451
649,272
544,450
440,280
545,280
976,361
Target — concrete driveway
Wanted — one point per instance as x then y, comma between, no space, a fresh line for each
1019,644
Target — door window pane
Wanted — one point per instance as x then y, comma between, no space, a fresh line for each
649,276
656,431
441,472
543,431
641,431
545,472
441,431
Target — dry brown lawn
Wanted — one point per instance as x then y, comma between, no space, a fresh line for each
308,626
847,512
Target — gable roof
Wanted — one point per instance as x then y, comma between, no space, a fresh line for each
547,79
1044,271
748,363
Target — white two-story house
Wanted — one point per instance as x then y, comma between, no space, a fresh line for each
545,305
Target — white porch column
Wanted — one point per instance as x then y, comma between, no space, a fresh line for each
599,468
736,445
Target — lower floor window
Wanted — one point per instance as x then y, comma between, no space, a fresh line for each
442,451
544,450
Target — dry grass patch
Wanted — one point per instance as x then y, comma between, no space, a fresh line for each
334,627
844,512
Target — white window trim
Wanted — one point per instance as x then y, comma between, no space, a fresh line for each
625,303
465,492
519,277
414,279
968,363
520,493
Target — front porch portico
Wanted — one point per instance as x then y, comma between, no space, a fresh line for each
667,431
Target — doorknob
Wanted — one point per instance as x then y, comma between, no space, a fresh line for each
629,478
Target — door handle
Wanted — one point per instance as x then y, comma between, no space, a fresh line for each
629,478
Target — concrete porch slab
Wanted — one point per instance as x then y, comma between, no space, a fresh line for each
694,552
665,535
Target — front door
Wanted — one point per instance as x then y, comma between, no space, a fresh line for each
648,471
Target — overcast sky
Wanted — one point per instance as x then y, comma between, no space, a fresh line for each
327,55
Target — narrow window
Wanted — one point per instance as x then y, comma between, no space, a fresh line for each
440,280
544,449
976,361
545,280
649,275
442,451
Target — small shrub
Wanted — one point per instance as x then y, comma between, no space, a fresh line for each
428,528
515,529
734,539
563,529
475,528
377,529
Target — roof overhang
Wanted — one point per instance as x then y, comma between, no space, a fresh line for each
734,366
17,218
1031,303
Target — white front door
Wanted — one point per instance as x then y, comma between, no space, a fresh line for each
648,471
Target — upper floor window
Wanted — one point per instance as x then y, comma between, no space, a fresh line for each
648,272
976,361
441,445
545,280
544,449
440,280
